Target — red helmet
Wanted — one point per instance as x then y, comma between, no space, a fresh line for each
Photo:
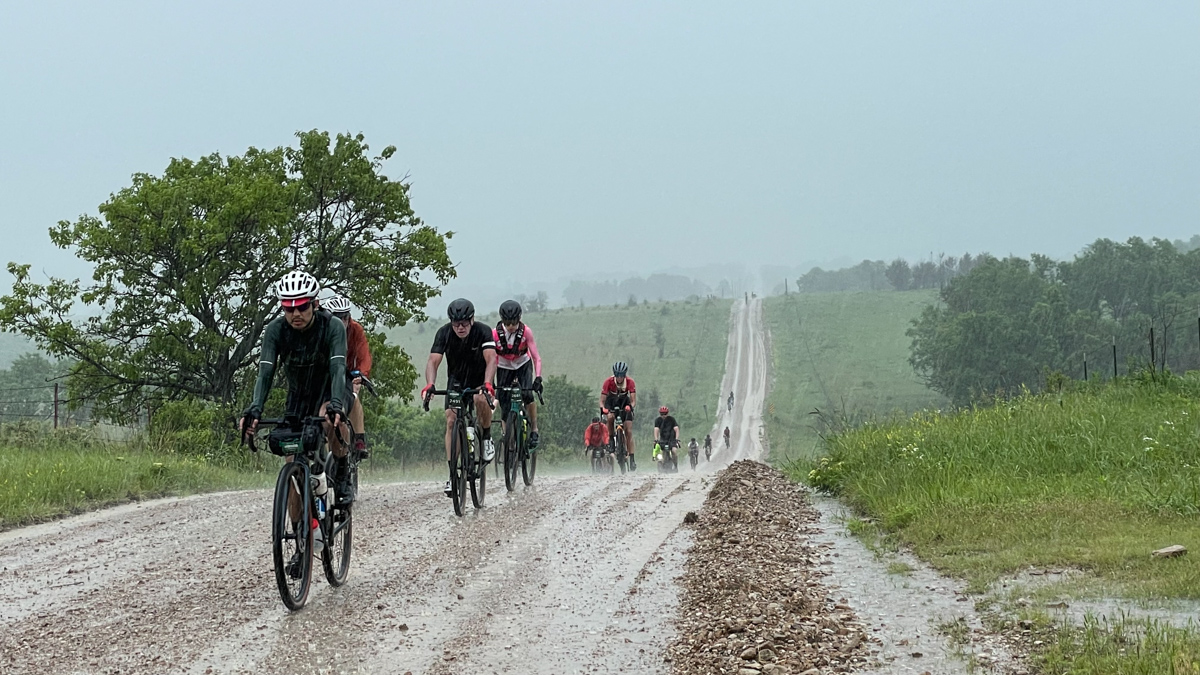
664,410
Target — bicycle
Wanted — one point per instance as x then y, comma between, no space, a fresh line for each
617,438
667,459
601,461
466,449
304,441
516,438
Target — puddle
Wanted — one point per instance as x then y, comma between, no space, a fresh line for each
902,612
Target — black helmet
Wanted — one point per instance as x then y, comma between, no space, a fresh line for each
461,310
595,420
510,311
620,368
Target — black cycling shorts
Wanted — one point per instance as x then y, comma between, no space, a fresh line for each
521,377
618,402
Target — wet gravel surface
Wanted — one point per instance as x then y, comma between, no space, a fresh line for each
570,574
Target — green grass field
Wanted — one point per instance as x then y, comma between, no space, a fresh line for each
1091,479
844,354
582,344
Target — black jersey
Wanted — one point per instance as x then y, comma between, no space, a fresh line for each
666,427
465,365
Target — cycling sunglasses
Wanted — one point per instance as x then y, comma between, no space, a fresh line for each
297,309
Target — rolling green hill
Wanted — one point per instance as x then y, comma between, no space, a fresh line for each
582,344
844,354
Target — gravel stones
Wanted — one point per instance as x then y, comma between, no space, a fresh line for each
753,601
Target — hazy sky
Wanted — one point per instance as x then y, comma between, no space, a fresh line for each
568,138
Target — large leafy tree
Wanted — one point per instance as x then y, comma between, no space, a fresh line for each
185,262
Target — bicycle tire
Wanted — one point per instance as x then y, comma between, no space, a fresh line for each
478,474
458,482
619,437
293,591
528,460
510,455
335,558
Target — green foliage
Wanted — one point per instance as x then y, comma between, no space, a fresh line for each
407,434
569,409
185,262
1093,477
1000,326
27,390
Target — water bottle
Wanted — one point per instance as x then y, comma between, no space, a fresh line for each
470,434
320,484
320,508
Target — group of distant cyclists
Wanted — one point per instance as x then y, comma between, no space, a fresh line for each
324,354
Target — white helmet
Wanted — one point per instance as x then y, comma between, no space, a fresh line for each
336,304
297,285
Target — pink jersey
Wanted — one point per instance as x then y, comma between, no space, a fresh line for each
514,356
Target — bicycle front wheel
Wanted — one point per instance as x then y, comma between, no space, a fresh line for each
338,536
291,538
478,474
510,454
528,460
458,459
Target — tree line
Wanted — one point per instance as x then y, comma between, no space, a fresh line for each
1008,322
877,275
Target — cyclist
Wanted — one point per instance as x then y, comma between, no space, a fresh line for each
311,346
666,434
727,437
619,392
707,447
731,400
596,436
694,449
518,362
358,360
469,350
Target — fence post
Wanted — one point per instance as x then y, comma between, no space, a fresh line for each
1085,374
1153,360
55,405
1114,357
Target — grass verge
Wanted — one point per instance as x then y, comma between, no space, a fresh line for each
1091,479
65,473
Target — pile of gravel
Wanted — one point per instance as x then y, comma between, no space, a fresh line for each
753,601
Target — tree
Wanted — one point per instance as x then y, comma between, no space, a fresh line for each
899,274
185,263
569,409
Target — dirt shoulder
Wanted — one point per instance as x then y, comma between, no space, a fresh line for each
753,597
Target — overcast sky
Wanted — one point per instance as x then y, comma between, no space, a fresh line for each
567,138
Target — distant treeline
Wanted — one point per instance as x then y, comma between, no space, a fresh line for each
876,275
1007,323
655,287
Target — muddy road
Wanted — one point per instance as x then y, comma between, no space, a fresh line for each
574,574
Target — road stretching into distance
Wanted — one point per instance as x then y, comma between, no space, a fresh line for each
573,574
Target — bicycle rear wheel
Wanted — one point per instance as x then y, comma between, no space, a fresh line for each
458,482
477,477
510,454
291,540
338,537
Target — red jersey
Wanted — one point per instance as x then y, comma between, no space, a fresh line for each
596,435
358,354
610,386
